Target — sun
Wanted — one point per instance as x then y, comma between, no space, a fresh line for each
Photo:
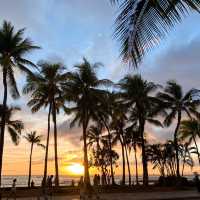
75,169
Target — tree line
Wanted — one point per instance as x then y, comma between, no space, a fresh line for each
108,113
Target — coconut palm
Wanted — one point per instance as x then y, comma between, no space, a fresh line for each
141,24
186,152
106,115
117,126
84,89
143,107
177,103
94,135
33,139
190,131
14,127
13,47
133,140
45,87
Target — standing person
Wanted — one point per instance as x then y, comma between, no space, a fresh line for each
13,189
95,180
32,184
108,179
98,179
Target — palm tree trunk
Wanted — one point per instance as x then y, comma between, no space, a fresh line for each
128,165
123,162
47,147
195,142
110,148
55,145
30,161
86,166
3,120
176,145
144,158
183,166
136,165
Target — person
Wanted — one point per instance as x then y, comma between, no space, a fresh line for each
72,183
51,181
81,185
32,184
197,181
98,179
108,179
13,189
95,180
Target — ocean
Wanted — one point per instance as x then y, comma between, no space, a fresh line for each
64,180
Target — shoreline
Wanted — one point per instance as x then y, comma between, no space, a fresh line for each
22,192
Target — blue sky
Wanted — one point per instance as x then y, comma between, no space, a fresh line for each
67,30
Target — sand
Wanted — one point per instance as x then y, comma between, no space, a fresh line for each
175,195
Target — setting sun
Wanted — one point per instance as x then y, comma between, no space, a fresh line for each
75,169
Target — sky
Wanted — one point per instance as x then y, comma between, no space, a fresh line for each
67,31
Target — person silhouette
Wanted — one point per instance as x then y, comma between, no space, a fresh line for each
32,184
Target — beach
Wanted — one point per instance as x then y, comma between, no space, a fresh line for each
189,195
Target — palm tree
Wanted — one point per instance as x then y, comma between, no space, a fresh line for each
45,87
106,116
190,130
94,135
141,24
14,127
33,139
133,140
176,102
143,107
84,89
186,153
13,47
117,126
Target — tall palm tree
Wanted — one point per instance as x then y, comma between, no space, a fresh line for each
84,89
134,141
190,130
141,24
45,87
118,123
13,47
33,139
177,103
137,95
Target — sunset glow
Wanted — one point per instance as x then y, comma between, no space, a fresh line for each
75,169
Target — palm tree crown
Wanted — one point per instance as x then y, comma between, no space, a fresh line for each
141,24
14,127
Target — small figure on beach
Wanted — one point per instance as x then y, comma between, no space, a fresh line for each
95,180
50,181
98,179
197,181
108,179
72,183
32,184
13,190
